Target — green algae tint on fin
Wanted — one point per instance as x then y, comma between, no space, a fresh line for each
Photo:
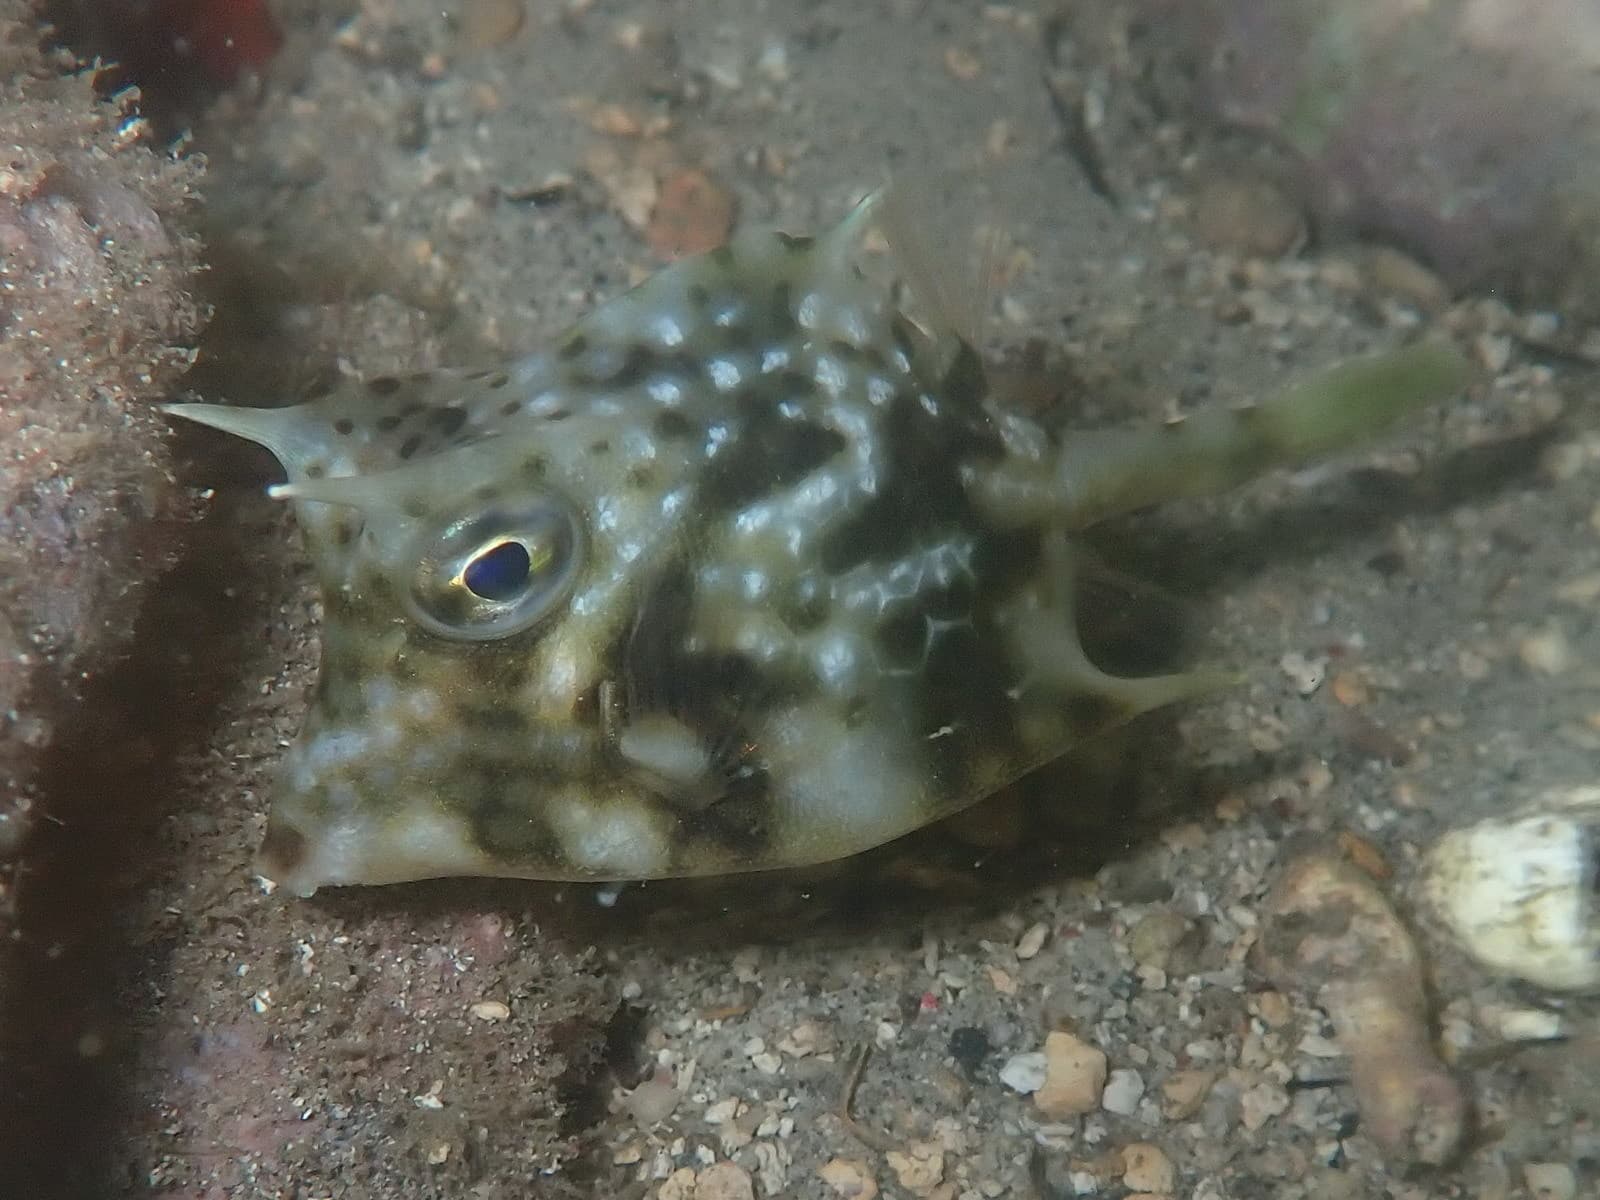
1221,448
1108,472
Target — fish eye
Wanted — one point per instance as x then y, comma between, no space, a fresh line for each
492,573
499,571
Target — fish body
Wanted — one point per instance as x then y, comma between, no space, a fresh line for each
751,570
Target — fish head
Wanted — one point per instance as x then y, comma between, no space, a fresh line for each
480,569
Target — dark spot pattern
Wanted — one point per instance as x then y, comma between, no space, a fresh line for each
448,420
770,453
922,497
714,695
672,425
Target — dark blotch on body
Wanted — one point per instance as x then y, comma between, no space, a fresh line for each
672,425
922,500
448,420
769,453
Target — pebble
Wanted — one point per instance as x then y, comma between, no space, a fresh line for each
680,1185
1248,216
970,1047
1032,940
1349,690
486,23
693,214
1305,673
1075,1077
630,187
1493,351
490,1010
1260,1104
919,1167
1123,1091
724,1181
1522,1024
653,1100
850,1178
1025,1073
1155,936
1583,590
1548,652
962,64
1403,276
1550,1181
1184,1092
1146,1168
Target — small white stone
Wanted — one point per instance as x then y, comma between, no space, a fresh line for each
1550,1181
1032,940
767,1062
1548,652
1124,1090
1024,1073
1523,1024
1305,673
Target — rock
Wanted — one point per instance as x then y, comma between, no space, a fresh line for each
919,1167
1184,1092
1075,1077
1259,1104
724,1181
1468,133
680,1185
693,213
1547,652
1249,217
1146,1168
1550,1181
1032,940
1123,1091
1025,1073
1152,940
850,1178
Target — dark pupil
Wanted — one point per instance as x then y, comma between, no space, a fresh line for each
498,574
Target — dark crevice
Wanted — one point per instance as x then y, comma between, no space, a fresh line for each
80,976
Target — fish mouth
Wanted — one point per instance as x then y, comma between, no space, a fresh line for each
307,847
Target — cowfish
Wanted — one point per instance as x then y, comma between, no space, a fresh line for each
752,569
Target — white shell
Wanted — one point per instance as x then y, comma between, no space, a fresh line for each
1519,891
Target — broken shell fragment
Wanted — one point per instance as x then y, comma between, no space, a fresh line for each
1518,891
